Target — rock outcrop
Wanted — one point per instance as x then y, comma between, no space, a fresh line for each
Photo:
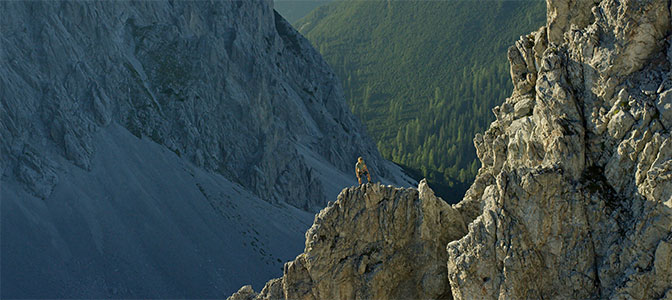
575,184
374,242
574,196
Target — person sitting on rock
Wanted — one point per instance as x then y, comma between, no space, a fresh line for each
361,169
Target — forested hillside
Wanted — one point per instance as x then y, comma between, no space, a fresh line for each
424,75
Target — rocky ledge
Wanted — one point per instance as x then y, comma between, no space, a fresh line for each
374,242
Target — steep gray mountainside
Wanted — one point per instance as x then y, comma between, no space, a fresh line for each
228,85
149,148
574,196
142,223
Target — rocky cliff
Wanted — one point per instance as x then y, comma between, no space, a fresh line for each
148,148
228,85
575,184
374,242
574,196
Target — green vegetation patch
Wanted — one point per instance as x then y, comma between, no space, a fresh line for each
424,75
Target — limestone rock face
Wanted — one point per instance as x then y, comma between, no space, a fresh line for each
227,85
561,14
374,242
576,196
245,293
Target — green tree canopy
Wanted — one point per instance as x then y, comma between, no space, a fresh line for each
424,75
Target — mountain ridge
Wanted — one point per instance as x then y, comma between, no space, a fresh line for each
143,144
373,242
574,196
172,84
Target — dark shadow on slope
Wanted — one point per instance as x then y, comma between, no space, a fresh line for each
287,33
452,192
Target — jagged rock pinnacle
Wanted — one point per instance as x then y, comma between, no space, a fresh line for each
576,196
374,242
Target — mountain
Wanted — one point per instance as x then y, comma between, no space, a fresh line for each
423,76
151,149
573,199
293,10
374,242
